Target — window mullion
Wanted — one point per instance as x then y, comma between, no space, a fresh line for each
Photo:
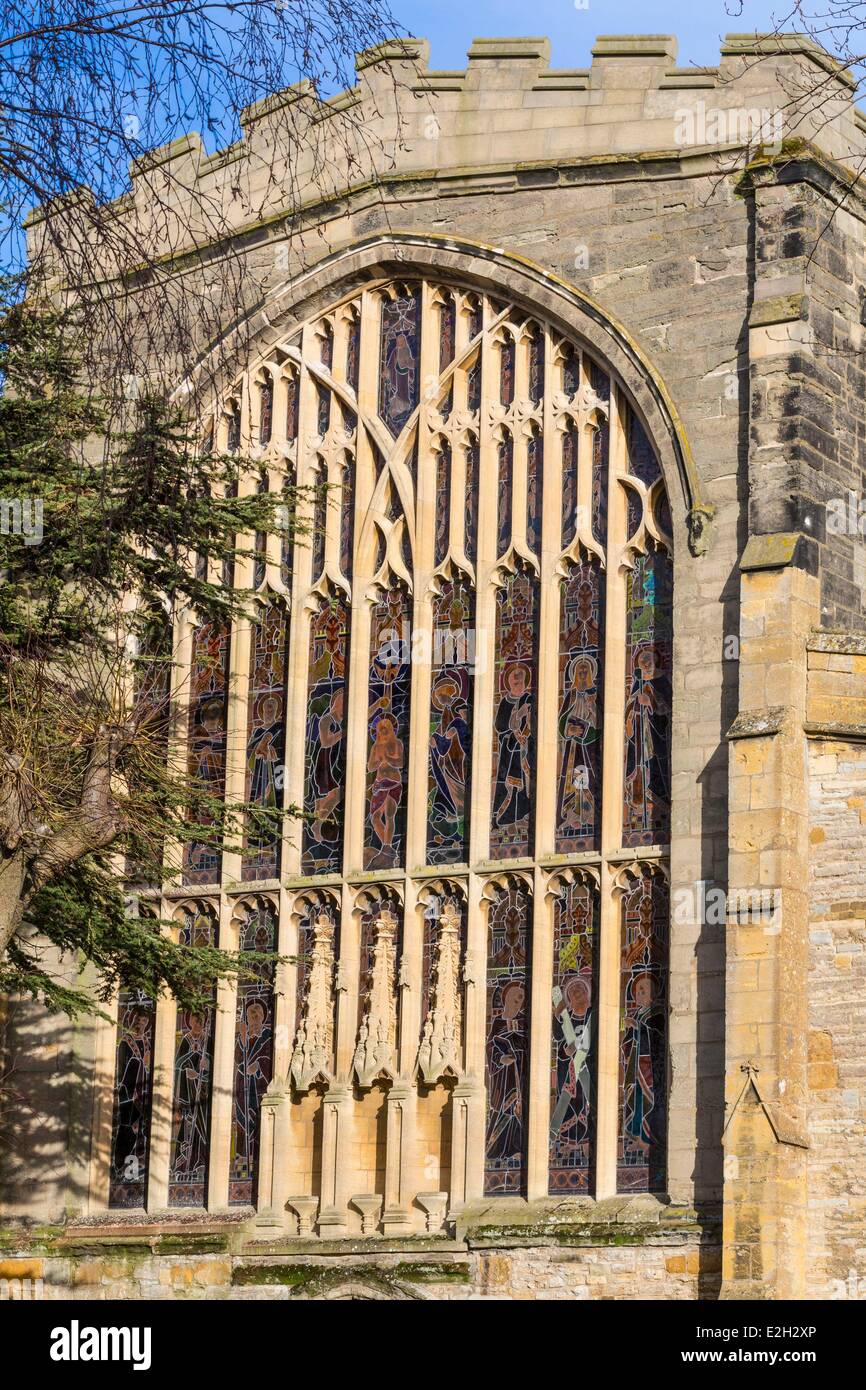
613,753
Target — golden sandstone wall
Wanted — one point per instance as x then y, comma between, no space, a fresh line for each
728,301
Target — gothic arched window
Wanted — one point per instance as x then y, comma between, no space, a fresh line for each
476,682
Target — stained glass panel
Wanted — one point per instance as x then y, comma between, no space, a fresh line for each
507,1043
450,725
641,455
581,683
233,433
399,360
571,373
388,731
292,409
253,1062
325,740
320,522
506,371
470,535
347,517
600,452
266,741
353,347
193,1072
133,1092
443,502
503,496
207,745
643,1037
513,717
569,485
266,411
261,541
536,366
447,325
649,615
323,409
572,1061
534,485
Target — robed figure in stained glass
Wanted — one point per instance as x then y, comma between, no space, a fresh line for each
132,1100
647,732
513,727
388,727
192,1078
449,760
325,750
572,1019
506,1070
643,1048
252,1077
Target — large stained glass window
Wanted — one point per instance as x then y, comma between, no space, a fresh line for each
643,1034
207,749
572,1057
506,1068
325,742
388,731
266,736
193,1080
450,724
465,718
514,717
254,1044
133,1092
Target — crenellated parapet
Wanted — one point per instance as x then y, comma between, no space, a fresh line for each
507,111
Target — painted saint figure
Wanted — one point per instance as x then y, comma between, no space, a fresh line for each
191,1111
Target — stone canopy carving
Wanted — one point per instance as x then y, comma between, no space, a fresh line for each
375,1051
440,1049
314,1043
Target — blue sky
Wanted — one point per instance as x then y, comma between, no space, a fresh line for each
451,25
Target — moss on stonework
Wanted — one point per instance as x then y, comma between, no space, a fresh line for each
313,1278
433,1273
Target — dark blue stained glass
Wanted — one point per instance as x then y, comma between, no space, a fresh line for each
649,613
634,513
443,502
571,373
450,724
569,485
503,495
233,439
643,1043
353,351
261,542
473,385
447,327
600,451
193,1077
350,419
266,411
664,520
133,1093
325,759
292,409
642,461
228,563
476,319
347,517
506,371
399,360
581,685
207,747
507,1043
388,731
323,409
288,508
320,522
572,1061
327,346
514,716
253,1061
266,742
470,535
534,486
536,367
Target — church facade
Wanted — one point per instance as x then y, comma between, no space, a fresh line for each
569,679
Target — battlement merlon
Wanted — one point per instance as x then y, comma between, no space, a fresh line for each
508,109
